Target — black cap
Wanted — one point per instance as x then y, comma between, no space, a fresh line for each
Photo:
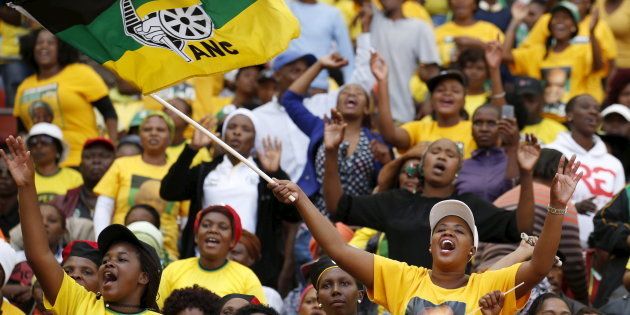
84,249
314,270
527,85
117,233
443,75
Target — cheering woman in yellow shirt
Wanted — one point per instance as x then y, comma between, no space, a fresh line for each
564,66
129,275
405,289
72,90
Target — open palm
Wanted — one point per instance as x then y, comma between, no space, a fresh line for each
378,66
528,152
19,162
270,158
334,130
563,184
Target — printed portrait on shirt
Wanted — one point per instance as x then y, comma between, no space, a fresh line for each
146,190
43,104
419,306
557,84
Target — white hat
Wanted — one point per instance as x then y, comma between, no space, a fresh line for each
622,110
8,260
457,208
48,129
148,233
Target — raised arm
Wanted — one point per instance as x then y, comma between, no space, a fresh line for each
494,55
596,48
562,188
519,12
396,136
528,154
301,84
333,136
39,257
356,262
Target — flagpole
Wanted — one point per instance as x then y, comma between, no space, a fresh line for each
217,140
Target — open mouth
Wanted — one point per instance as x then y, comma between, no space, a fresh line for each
212,241
439,168
447,246
109,277
351,102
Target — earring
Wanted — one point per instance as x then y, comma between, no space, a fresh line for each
320,305
359,301
98,295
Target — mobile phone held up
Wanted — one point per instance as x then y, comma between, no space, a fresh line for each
507,111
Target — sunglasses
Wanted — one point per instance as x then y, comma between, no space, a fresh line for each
43,139
412,170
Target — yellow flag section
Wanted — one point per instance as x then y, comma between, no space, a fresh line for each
254,36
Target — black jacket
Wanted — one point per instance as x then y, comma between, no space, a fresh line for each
183,183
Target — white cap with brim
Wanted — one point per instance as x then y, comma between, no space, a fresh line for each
8,260
456,208
622,110
52,131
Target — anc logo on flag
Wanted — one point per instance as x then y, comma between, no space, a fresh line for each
157,43
168,29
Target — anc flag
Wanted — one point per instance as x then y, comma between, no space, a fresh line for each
156,43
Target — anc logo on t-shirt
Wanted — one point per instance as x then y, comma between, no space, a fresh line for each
419,306
43,101
145,190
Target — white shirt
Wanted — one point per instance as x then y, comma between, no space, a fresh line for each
275,122
237,186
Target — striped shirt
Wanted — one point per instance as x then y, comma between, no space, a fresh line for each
574,270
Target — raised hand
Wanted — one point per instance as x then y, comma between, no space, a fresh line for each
199,139
378,66
508,133
334,130
380,151
519,11
528,153
563,184
594,18
19,162
492,303
493,54
333,61
270,157
283,189
586,206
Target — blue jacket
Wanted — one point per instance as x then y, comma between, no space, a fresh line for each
313,127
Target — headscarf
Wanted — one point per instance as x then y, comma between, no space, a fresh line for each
252,245
344,231
249,114
84,249
249,298
167,119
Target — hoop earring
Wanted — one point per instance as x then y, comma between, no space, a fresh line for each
98,295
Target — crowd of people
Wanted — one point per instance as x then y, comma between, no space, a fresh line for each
427,156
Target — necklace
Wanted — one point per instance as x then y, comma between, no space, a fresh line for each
109,304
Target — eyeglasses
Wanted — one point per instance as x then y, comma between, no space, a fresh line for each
41,139
412,170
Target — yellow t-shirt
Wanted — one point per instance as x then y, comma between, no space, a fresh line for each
9,309
203,155
565,73
404,289
9,41
539,33
473,102
546,130
619,24
446,33
230,278
48,187
69,94
419,89
72,298
427,130
129,181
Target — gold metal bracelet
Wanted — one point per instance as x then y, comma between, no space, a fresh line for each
557,211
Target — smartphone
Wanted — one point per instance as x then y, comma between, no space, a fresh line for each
507,111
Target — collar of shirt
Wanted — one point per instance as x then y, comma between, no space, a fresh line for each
494,152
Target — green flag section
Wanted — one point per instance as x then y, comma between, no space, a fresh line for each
157,43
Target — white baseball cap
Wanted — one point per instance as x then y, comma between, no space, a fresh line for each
456,208
51,130
622,110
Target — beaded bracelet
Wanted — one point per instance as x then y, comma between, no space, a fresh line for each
557,211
